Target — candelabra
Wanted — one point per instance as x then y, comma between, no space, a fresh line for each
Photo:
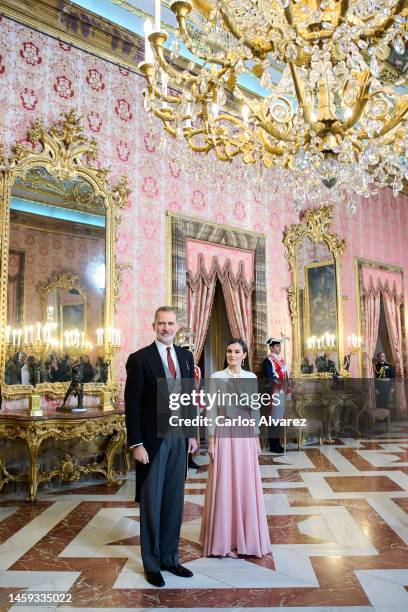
75,345
325,343
39,341
108,343
354,344
36,340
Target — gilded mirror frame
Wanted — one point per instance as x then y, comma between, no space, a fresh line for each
315,225
64,280
65,153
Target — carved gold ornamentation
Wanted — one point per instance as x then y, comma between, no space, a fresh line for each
315,225
16,392
311,114
66,280
58,390
69,469
5,476
292,301
78,195
34,432
2,158
120,268
66,153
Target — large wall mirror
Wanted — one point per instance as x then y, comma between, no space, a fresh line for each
59,277
314,256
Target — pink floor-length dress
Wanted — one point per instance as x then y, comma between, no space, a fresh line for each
234,517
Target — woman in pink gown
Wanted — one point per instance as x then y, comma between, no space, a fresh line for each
234,519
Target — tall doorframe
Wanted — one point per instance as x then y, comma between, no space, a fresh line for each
360,263
179,229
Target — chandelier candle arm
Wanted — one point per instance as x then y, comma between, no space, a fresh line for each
181,9
157,39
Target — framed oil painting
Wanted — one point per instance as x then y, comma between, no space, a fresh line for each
15,292
320,299
72,317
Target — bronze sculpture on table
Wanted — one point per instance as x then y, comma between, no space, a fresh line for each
76,388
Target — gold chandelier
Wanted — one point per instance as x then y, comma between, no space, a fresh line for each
330,115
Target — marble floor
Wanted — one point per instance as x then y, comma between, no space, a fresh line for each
338,520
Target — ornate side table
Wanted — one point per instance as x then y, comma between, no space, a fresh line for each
34,430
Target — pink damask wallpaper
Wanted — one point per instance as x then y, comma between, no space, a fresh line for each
48,254
40,77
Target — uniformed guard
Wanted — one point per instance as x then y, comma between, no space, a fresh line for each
276,370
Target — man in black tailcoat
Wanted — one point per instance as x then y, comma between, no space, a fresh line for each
159,450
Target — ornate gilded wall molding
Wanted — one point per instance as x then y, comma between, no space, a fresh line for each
66,153
315,225
89,32
179,229
66,280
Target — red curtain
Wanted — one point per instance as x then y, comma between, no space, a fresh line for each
201,291
392,305
237,293
372,304
238,300
392,300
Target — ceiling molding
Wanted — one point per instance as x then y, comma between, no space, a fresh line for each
83,29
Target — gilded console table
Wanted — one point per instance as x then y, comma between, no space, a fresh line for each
336,411
34,430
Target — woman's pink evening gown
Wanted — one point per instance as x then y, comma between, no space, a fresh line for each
234,517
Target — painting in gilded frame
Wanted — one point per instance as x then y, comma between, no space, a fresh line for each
320,299
72,317
15,293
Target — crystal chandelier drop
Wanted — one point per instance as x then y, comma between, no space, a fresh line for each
331,119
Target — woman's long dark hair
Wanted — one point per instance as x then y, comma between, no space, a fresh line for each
243,344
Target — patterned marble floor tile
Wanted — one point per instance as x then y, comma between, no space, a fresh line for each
338,521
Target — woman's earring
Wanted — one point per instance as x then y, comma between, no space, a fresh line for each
242,363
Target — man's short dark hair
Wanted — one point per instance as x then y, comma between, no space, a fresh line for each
164,309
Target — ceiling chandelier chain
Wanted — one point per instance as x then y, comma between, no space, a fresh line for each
330,118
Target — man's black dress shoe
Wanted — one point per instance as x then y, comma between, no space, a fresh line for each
177,570
193,464
154,578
